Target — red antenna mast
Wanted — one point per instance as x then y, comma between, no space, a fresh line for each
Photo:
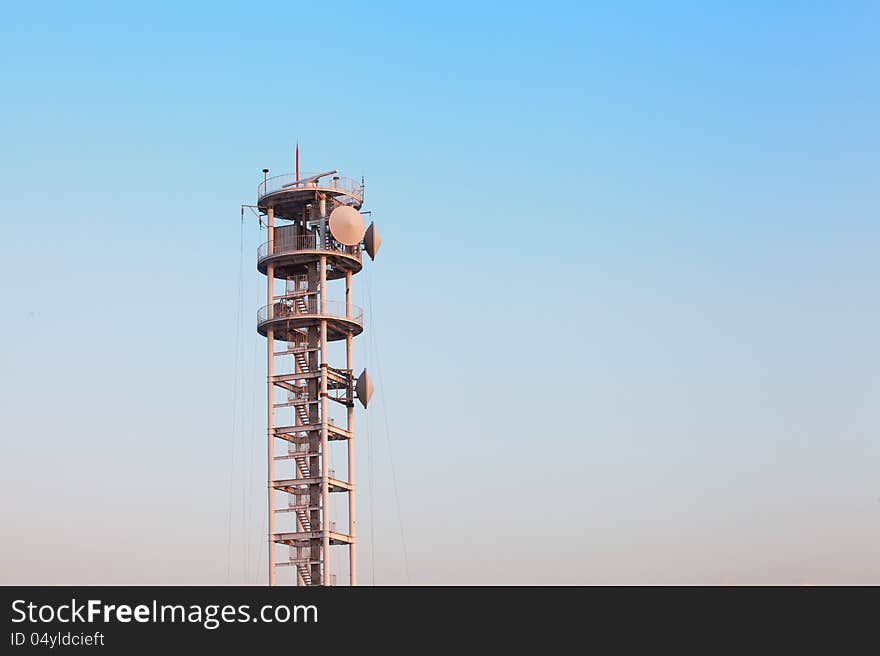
297,161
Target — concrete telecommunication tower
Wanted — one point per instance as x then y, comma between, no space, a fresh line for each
317,235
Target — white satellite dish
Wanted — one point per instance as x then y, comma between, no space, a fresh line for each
363,387
372,241
347,225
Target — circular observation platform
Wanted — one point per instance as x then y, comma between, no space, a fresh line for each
290,315
291,256
288,195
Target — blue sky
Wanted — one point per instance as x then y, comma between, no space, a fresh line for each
625,313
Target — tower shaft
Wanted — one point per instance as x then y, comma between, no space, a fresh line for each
310,401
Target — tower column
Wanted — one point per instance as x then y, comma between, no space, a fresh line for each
352,557
349,365
270,420
325,450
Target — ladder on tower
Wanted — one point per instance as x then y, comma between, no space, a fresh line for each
304,572
300,302
302,563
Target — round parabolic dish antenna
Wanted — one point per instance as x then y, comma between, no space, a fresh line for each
347,225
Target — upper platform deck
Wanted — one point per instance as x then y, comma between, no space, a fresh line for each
289,195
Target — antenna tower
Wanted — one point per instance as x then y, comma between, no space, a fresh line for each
317,236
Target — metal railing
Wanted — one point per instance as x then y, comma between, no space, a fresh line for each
305,243
288,308
288,181
293,557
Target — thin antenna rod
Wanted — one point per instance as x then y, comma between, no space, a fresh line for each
297,161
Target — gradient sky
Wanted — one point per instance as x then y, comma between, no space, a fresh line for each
624,321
